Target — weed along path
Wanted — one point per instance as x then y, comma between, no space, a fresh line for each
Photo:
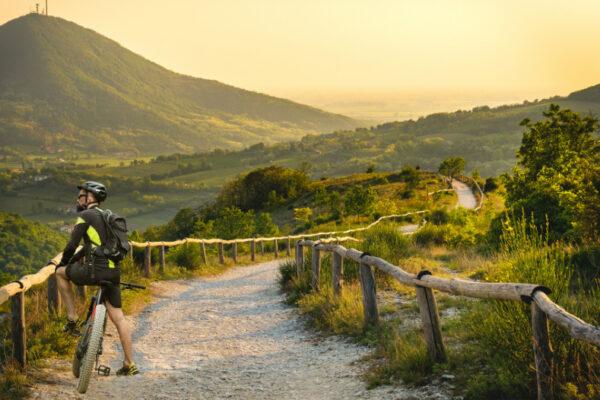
466,198
228,337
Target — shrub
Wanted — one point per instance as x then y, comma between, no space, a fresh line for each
187,256
503,327
387,242
430,235
491,184
439,216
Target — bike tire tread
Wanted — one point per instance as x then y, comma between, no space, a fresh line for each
89,358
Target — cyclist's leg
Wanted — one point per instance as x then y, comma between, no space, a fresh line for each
117,317
66,292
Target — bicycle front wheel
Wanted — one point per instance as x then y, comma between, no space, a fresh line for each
89,358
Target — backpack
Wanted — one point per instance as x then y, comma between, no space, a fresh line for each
117,244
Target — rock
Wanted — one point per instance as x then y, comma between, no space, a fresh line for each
447,377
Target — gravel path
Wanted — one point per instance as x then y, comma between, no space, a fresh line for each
466,198
228,337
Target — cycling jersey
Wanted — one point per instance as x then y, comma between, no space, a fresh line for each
91,228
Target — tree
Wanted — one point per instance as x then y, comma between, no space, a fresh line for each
234,223
410,176
264,226
557,177
360,200
321,196
263,186
181,226
452,166
302,214
334,203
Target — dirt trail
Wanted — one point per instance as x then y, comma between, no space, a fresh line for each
228,337
466,198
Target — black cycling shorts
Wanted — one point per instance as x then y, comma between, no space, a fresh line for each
80,275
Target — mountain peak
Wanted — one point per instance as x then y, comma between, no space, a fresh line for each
86,92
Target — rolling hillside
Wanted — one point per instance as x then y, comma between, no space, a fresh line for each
64,87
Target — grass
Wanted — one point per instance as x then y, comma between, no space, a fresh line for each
488,343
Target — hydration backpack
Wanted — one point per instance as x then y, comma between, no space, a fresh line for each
117,244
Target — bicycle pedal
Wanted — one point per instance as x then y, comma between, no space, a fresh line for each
103,370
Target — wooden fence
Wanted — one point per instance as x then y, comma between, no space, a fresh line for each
424,283
15,291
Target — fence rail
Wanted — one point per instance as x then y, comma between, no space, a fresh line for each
424,283
15,291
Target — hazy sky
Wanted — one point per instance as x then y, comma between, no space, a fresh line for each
523,48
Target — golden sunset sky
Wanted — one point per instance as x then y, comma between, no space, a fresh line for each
509,49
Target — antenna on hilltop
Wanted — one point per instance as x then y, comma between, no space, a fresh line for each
37,8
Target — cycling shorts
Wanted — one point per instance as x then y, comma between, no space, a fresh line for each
80,274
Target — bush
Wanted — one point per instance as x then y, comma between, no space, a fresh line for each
189,257
503,329
387,242
431,235
439,216
491,184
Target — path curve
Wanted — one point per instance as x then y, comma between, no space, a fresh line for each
466,198
229,337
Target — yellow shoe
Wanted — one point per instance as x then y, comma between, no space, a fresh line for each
128,370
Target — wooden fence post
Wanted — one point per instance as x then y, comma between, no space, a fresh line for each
53,296
337,268
204,253
432,327
18,327
148,262
234,252
367,286
542,352
161,266
276,247
299,259
316,268
262,248
287,247
253,250
221,260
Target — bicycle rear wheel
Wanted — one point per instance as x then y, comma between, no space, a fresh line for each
89,357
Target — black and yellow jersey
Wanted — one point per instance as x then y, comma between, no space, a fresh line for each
91,228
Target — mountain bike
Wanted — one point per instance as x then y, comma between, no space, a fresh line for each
89,347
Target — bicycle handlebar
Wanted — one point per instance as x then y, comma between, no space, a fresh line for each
132,285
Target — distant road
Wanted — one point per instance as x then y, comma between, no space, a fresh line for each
466,198
408,229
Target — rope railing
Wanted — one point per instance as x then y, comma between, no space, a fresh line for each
543,308
271,238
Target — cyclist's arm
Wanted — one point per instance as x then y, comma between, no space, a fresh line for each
77,256
76,236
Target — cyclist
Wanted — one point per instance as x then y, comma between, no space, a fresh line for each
90,227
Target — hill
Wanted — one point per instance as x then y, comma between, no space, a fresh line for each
25,246
64,87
